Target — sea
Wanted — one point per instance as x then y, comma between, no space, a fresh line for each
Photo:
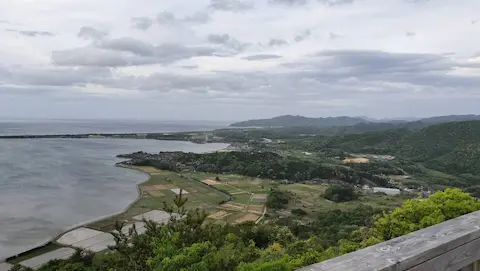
50,185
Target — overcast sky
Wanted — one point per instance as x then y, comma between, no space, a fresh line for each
233,60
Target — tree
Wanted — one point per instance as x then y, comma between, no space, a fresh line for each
340,193
278,199
299,212
415,214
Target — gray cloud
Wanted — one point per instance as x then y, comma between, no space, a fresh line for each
333,36
410,34
331,80
189,67
142,23
228,41
198,18
90,33
336,2
277,42
95,57
127,52
433,70
333,70
304,2
219,38
261,57
24,77
131,45
231,5
303,36
290,2
166,18
417,1
31,33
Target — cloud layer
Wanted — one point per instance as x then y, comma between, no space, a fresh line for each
245,59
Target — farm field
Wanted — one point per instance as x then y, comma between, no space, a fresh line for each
309,198
248,197
202,191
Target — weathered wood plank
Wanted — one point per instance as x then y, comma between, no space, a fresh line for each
410,250
468,268
461,257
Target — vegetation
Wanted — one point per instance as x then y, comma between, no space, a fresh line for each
305,222
193,244
289,120
278,199
340,193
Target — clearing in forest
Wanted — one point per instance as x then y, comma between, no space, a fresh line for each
357,160
219,215
247,217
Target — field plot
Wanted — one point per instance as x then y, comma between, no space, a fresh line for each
256,209
259,198
219,215
242,198
247,217
162,187
308,197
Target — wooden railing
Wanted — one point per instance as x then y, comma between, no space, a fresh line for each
449,246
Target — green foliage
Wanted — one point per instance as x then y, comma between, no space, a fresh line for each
417,214
340,193
299,212
254,164
192,244
278,199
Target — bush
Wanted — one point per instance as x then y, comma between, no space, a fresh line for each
299,212
278,199
340,193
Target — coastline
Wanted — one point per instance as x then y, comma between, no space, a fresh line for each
85,223
44,246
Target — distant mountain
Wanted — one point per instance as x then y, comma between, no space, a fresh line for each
450,118
367,123
292,121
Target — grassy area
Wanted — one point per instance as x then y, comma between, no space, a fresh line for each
158,190
309,198
242,198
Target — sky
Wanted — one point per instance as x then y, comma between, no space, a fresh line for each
238,59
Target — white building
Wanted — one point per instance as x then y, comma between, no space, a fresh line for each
388,191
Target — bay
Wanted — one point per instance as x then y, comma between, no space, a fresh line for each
49,185
49,127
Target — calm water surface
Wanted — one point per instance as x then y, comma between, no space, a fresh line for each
48,185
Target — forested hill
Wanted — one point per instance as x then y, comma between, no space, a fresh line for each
300,121
453,146
289,121
450,118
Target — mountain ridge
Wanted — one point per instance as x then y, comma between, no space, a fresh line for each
297,120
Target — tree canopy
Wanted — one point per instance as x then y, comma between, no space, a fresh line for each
340,193
193,244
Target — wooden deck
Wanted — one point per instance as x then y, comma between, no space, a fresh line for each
449,246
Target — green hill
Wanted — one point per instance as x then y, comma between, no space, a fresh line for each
438,140
450,118
289,121
452,147
361,124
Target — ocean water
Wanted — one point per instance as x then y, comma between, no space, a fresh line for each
48,127
49,185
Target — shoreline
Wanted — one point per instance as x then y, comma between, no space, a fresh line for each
85,223
51,240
